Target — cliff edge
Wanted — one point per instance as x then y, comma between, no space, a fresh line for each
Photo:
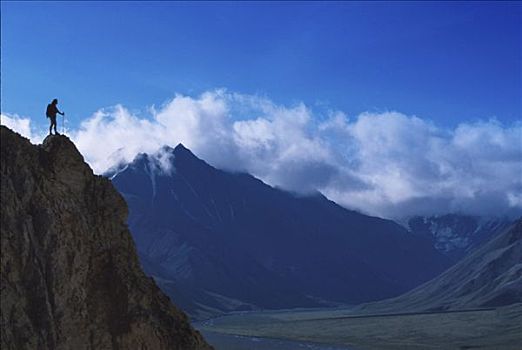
70,276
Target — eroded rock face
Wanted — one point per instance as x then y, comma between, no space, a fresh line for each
70,276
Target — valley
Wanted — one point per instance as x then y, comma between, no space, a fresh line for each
489,328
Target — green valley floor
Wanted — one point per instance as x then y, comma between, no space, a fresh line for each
493,329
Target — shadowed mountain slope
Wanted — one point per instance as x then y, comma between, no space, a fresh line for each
237,243
490,276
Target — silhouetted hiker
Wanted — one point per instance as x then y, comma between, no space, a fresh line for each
51,114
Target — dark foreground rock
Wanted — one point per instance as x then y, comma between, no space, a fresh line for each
70,276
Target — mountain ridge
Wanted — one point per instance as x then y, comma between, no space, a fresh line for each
286,250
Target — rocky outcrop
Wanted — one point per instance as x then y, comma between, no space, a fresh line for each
70,276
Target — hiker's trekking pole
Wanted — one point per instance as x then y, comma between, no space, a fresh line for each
63,123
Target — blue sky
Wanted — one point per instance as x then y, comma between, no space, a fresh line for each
447,62
390,108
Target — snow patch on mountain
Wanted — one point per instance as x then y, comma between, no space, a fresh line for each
454,234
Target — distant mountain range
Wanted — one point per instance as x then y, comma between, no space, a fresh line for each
456,235
219,241
490,276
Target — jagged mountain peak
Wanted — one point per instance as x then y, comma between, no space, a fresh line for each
165,162
184,155
181,148
179,151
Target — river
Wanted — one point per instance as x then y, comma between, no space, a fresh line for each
222,341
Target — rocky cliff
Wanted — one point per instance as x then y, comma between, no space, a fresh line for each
70,276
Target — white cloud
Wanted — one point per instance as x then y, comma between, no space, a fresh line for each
113,136
387,164
412,166
21,125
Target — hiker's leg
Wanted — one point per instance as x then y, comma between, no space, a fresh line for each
53,123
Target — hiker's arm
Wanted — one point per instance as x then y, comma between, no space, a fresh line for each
56,110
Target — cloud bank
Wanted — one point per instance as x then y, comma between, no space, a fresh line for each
386,164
